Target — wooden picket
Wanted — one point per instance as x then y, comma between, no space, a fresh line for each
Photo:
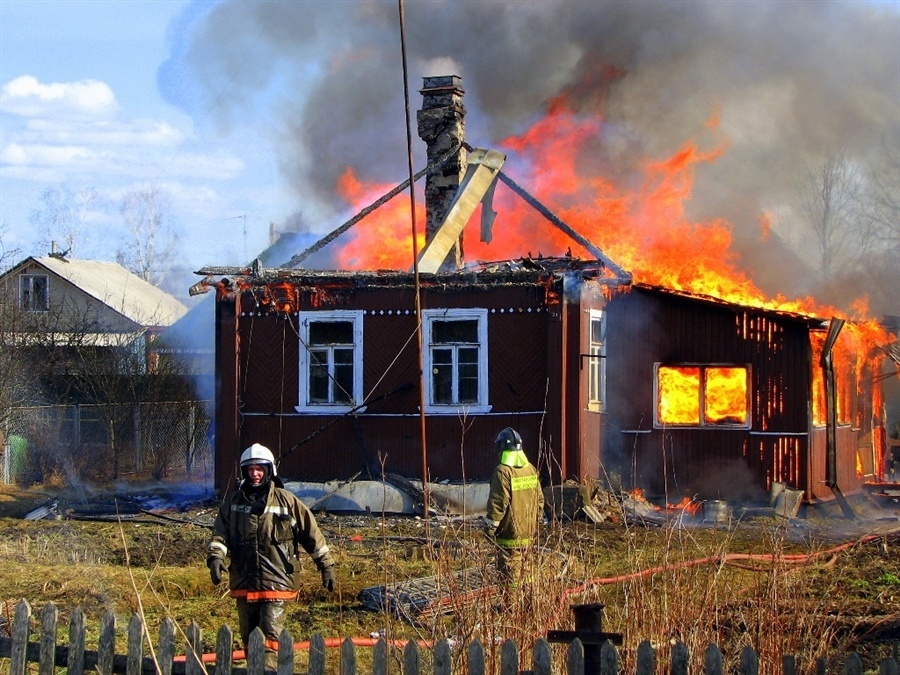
163,660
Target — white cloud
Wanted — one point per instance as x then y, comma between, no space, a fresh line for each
26,97
75,132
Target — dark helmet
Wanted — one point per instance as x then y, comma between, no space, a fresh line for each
508,439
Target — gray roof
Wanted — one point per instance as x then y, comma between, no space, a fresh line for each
115,286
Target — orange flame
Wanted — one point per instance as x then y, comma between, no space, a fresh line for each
644,229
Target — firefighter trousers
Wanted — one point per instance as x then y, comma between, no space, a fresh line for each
268,616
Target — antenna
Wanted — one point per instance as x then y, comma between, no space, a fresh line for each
243,217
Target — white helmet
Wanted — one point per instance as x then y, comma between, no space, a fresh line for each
258,454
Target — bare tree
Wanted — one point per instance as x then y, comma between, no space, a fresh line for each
8,256
148,252
63,216
829,195
883,203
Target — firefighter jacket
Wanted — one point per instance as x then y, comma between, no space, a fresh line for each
263,537
516,500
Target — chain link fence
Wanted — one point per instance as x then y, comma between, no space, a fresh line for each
71,443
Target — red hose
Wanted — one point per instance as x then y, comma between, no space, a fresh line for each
330,643
792,558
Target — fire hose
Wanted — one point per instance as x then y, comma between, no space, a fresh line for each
789,558
727,558
330,643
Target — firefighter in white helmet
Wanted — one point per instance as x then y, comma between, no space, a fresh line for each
262,527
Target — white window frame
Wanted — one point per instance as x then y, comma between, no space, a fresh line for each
596,362
429,317
26,286
304,320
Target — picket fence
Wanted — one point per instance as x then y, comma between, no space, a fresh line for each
580,659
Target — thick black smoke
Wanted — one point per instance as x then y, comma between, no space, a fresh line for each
790,83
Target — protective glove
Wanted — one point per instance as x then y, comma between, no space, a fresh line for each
328,578
216,568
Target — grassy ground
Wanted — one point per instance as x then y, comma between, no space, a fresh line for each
802,594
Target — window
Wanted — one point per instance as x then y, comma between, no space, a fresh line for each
455,360
597,361
702,396
330,361
34,292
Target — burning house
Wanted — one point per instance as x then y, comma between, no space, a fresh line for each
672,392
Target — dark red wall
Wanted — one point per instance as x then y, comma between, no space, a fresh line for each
646,327
259,389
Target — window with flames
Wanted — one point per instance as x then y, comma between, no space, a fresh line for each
702,395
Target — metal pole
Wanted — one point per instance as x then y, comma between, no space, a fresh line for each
415,252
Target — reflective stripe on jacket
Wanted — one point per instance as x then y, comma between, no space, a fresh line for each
516,500
263,537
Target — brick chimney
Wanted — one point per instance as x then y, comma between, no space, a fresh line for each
442,125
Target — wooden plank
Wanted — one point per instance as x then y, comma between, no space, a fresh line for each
194,650
76,642
380,658
49,628
609,659
482,170
749,661
256,652
348,657
410,658
853,665
646,659
475,658
680,659
165,652
135,646
106,646
789,664
224,651
575,658
285,653
317,655
18,654
713,663
443,659
541,658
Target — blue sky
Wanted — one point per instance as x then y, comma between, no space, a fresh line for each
81,108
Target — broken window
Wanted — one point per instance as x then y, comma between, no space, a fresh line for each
702,396
34,292
597,361
455,360
330,361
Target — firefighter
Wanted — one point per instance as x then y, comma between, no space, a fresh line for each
262,527
515,507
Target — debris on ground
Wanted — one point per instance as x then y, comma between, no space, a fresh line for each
420,600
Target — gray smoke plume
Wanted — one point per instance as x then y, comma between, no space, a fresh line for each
790,83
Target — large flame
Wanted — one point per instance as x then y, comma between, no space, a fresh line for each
643,229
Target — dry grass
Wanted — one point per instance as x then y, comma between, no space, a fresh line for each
826,604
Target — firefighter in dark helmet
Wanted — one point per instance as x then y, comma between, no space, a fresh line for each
262,527
515,506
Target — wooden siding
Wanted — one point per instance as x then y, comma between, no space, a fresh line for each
264,380
648,327
848,479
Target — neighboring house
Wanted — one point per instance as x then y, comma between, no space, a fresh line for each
324,366
62,303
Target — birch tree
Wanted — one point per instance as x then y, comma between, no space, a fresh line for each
151,241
